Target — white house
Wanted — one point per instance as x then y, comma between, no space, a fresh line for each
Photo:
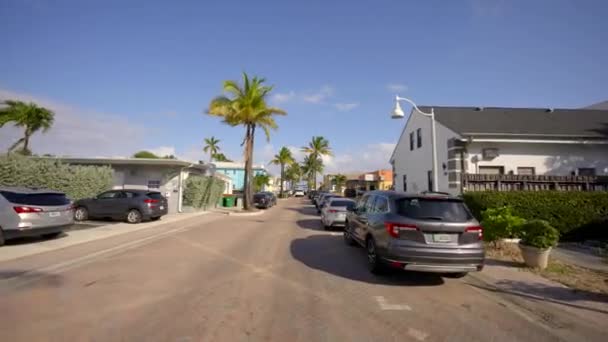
500,141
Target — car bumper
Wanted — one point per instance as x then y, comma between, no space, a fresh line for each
26,232
443,260
154,212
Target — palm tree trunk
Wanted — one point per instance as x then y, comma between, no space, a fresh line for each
282,175
26,140
248,195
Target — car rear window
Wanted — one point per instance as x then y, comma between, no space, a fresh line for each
258,196
347,204
155,195
434,209
49,199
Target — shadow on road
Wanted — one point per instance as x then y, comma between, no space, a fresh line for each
328,253
306,210
496,262
41,278
31,239
313,224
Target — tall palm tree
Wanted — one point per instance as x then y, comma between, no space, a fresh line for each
293,173
317,147
311,166
211,146
340,180
284,157
260,181
245,105
29,116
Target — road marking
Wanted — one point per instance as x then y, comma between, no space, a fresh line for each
384,305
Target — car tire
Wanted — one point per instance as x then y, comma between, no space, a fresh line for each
52,235
374,263
81,214
1,237
456,275
133,216
348,239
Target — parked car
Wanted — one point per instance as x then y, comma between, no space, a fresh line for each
324,201
350,193
419,232
273,197
311,194
334,212
262,200
319,197
299,193
33,212
133,206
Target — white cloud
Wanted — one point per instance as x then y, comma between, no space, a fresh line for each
280,98
163,151
346,107
396,87
77,131
320,96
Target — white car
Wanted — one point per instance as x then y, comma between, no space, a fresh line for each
299,193
333,213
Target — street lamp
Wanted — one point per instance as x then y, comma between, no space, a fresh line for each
399,114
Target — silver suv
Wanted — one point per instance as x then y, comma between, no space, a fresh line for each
419,232
33,212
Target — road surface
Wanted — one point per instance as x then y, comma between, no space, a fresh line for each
273,277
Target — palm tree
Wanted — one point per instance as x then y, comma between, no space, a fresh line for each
29,116
283,158
211,146
259,181
310,167
245,105
317,147
293,173
340,180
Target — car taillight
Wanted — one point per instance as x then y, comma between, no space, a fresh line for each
149,201
26,210
475,229
333,211
393,228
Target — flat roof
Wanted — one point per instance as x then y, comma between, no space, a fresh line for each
130,161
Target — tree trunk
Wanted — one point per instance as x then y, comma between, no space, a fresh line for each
247,193
282,175
26,141
210,156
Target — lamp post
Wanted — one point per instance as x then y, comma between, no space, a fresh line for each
399,114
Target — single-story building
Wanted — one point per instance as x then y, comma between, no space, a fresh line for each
236,171
482,148
165,175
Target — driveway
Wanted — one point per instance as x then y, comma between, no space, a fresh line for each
275,277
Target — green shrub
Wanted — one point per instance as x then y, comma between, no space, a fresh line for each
539,234
203,191
76,181
500,223
576,215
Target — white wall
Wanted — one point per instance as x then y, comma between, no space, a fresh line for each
547,159
415,164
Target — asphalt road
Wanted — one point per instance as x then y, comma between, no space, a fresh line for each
273,277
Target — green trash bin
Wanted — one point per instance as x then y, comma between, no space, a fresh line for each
228,201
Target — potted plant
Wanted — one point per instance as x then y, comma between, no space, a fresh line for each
500,224
538,239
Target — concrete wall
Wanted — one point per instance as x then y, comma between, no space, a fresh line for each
547,159
417,163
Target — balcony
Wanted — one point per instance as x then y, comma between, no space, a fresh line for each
484,182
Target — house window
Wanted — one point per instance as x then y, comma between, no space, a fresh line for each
419,137
526,171
412,141
153,184
404,183
586,171
492,170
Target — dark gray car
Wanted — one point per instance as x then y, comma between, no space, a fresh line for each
131,205
419,232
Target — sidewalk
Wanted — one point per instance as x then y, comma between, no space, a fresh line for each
551,304
581,256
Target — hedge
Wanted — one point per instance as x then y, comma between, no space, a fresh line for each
576,215
203,191
76,181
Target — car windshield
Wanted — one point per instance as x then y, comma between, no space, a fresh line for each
48,199
347,204
155,195
433,209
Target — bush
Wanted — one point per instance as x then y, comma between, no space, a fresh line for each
539,234
203,191
576,215
76,181
500,223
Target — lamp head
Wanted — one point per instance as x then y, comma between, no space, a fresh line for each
397,111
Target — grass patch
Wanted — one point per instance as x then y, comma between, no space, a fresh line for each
573,276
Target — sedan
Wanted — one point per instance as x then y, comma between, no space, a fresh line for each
334,212
133,206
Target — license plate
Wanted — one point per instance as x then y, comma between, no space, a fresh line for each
162,207
442,238
54,214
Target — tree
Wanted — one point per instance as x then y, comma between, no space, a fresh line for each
293,173
211,146
245,105
340,180
259,181
317,147
310,167
220,157
30,117
284,157
145,154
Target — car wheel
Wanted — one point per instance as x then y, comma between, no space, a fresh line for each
373,260
81,214
133,216
348,239
51,235
456,275
1,237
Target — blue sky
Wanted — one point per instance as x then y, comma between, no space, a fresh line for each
123,77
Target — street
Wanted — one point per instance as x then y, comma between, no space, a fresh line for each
274,277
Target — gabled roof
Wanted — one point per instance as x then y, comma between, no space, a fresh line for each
532,122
